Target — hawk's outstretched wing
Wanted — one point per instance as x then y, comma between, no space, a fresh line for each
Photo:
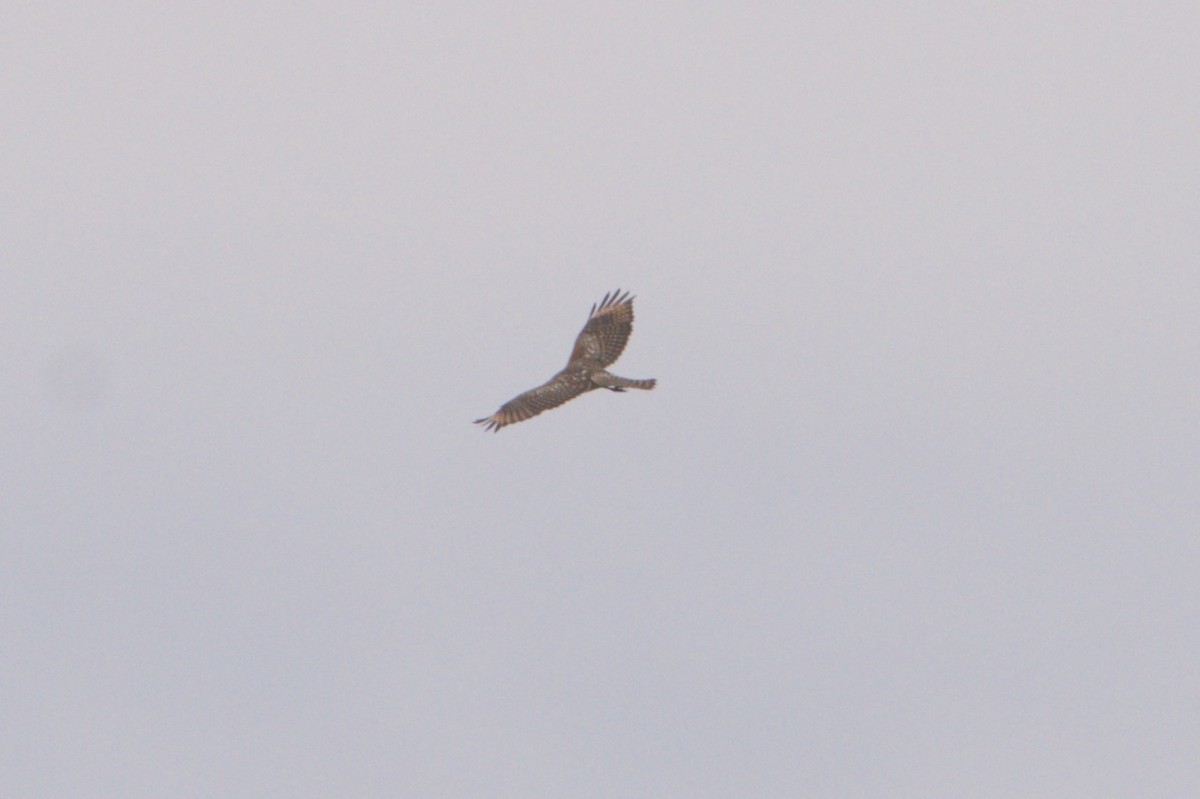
604,336
562,387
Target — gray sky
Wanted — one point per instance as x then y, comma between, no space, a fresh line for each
913,511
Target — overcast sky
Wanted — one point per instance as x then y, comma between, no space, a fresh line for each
913,511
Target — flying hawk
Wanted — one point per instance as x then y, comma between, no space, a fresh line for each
598,345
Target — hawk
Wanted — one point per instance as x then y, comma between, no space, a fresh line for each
598,345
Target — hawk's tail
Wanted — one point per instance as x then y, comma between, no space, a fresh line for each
625,382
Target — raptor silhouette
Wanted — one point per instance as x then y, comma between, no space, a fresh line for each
597,346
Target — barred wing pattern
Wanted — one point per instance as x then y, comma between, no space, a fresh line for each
564,386
599,344
607,331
